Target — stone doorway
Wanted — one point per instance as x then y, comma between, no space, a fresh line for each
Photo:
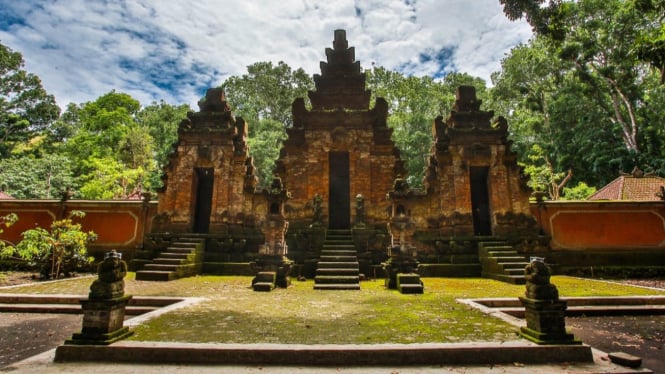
202,189
480,202
339,201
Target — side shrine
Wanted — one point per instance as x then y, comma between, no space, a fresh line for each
339,208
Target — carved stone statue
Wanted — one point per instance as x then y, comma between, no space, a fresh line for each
111,273
317,210
360,210
538,284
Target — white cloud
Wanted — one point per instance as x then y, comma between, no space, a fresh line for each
174,50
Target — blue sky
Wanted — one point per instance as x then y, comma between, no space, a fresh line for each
173,50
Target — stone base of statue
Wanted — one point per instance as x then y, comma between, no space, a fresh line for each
545,322
398,264
102,322
278,264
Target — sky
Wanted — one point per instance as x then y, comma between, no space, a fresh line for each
173,50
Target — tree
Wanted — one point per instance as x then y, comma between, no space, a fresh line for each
550,19
542,176
263,97
162,120
108,143
414,103
6,221
61,250
32,177
580,192
26,109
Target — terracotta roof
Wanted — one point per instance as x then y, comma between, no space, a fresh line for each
4,195
629,187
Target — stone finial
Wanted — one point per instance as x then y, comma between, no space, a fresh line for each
215,101
466,99
340,42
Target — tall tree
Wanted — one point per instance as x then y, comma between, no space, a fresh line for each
263,97
414,103
31,177
112,154
26,109
550,19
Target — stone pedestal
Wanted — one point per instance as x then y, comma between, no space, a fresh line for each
102,321
545,322
280,265
398,265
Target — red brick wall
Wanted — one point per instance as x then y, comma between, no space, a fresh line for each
119,225
613,225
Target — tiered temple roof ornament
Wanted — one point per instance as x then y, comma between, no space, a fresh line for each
341,83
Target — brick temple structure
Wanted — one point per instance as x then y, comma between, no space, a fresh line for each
339,172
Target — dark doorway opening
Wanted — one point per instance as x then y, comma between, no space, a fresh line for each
203,186
339,202
480,201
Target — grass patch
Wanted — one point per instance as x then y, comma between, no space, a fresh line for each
234,313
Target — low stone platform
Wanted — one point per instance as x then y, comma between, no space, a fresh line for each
323,355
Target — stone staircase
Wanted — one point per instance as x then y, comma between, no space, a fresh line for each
500,261
182,258
338,267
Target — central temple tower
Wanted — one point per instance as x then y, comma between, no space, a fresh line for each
340,148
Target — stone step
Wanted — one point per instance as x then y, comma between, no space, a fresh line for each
499,248
337,287
514,271
336,279
338,259
347,247
502,253
169,261
338,252
154,275
411,288
338,271
180,256
513,265
171,249
337,264
488,244
65,309
409,279
160,267
513,279
263,286
504,259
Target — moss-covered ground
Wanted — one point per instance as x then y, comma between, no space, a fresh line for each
233,313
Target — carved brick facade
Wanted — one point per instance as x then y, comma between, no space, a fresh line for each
335,151
209,182
339,145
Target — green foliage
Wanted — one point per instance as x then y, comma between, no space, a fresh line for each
267,92
579,192
108,178
263,98
26,109
265,141
61,250
414,103
6,221
542,176
580,92
31,177
161,120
